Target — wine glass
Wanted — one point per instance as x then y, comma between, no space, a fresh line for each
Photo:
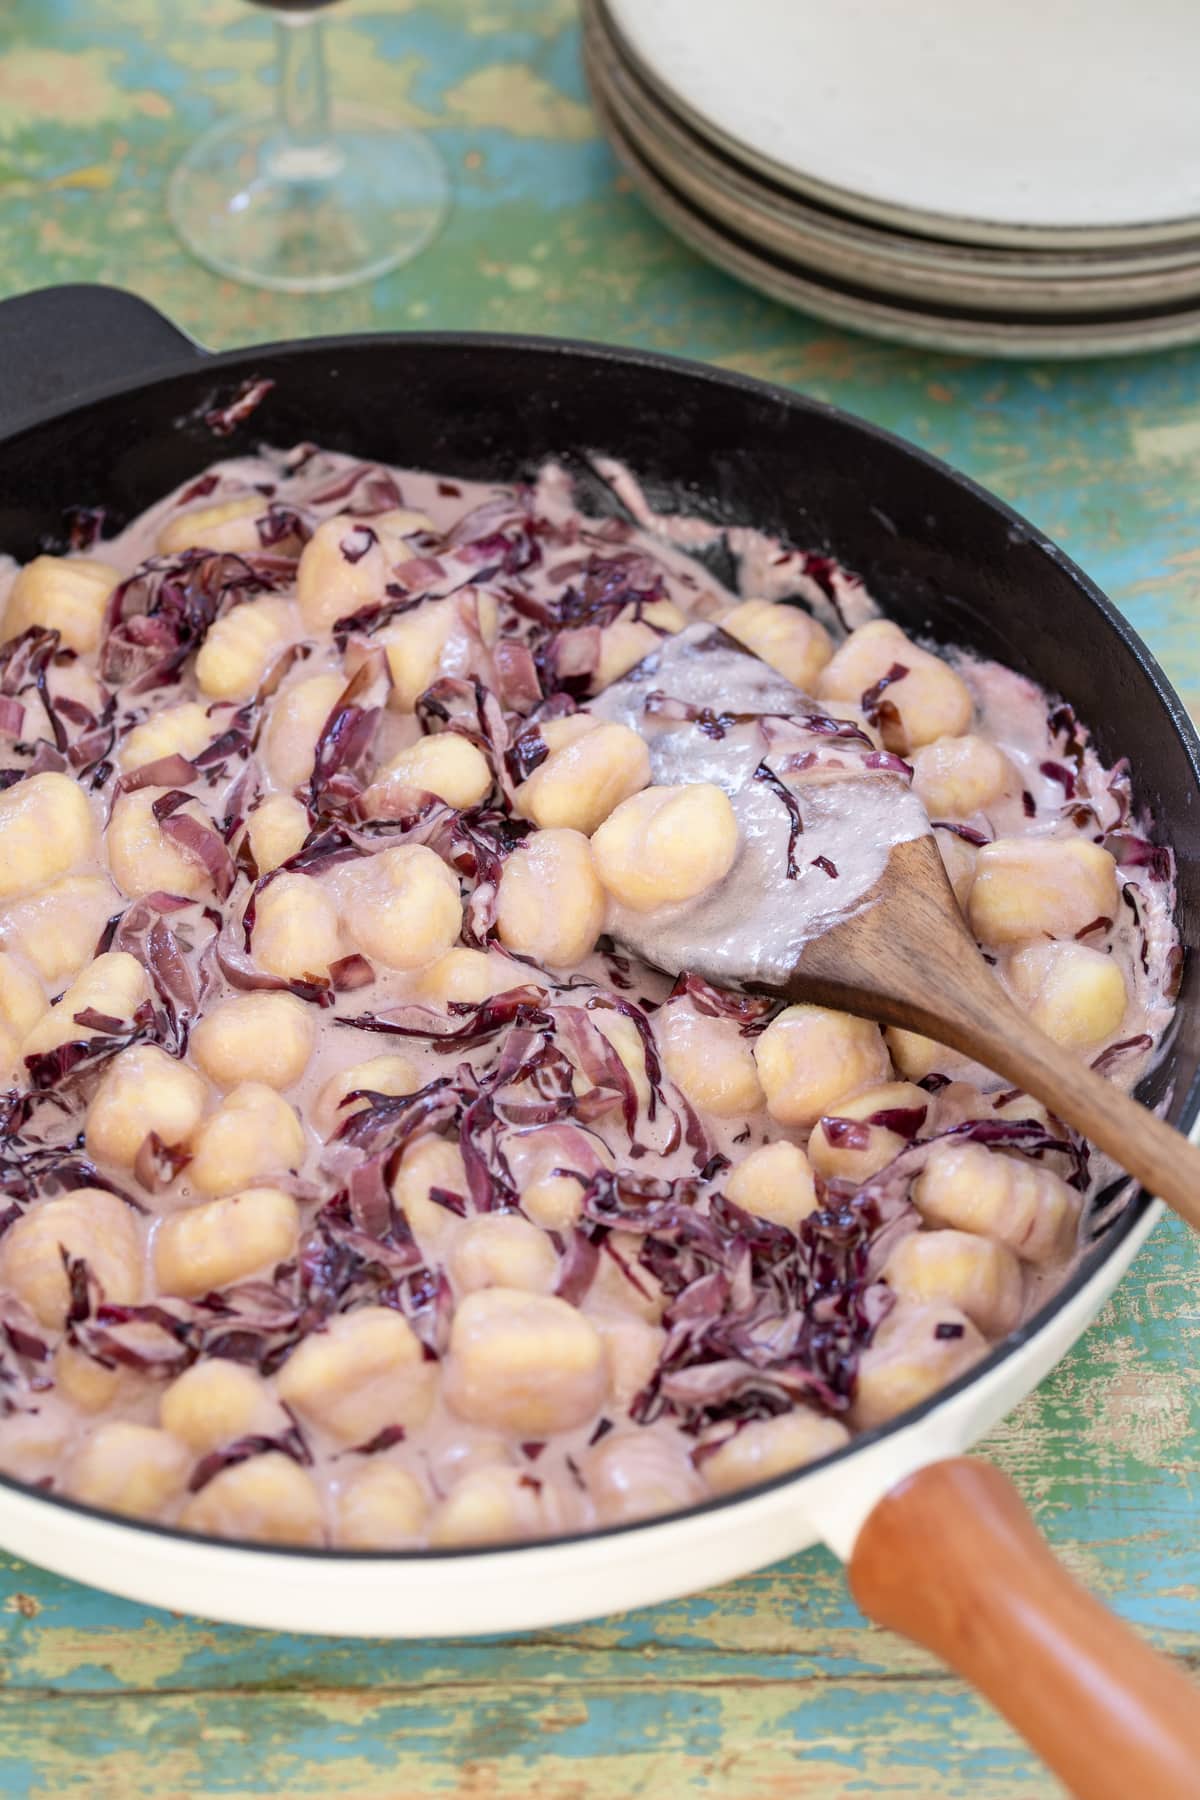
300,201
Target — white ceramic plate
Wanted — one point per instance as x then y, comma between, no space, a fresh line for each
911,269
1041,121
881,316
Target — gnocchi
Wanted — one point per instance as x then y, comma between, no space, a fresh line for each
141,856
922,702
365,1371
666,844
255,1037
143,1092
810,1060
1027,887
297,935
46,830
457,1219
275,831
64,594
550,903
1019,1203
579,785
267,1499
252,1134
447,765
222,1241
403,907
234,656
528,1363
787,638
87,1225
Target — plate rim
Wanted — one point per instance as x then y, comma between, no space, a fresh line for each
675,159
921,222
885,319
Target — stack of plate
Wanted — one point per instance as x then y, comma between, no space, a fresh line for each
1016,180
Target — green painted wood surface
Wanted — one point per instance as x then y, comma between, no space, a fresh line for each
773,1686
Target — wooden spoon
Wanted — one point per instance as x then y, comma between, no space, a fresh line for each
949,1556
906,958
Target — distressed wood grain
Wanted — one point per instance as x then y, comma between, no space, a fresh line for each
772,1686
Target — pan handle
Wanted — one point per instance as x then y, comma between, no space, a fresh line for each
61,345
950,1558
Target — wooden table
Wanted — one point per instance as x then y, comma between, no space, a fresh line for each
774,1686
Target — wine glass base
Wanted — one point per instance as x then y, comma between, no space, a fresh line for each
308,220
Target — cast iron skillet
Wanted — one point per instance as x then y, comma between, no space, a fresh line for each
102,401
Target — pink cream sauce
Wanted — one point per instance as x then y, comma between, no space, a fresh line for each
855,817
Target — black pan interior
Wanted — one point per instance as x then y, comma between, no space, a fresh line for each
944,558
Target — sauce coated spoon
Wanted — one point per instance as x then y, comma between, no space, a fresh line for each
885,939
907,959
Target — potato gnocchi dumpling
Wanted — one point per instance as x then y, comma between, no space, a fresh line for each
957,776
219,1402
255,1037
234,656
365,1371
297,933
112,988
224,525
252,1134
365,1189
143,1093
550,905
1040,887
527,1363
222,1241
128,1468
449,766
64,594
385,1075
711,1061
766,1448
183,730
275,831
788,639
380,1507
810,1059
289,744
46,829
916,697
268,1499
144,858
403,907
579,785
666,844
58,928
87,1226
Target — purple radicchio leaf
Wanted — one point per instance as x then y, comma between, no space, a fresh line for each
199,841
223,420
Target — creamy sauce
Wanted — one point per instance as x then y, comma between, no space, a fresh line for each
529,590
817,821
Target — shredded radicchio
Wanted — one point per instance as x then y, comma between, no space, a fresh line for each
791,806
224,420
756,1317
161,615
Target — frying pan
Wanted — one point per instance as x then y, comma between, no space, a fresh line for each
103,402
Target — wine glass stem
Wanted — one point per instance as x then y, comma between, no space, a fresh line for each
305,149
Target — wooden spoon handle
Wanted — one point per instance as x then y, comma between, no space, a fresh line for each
910,961
951,1559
